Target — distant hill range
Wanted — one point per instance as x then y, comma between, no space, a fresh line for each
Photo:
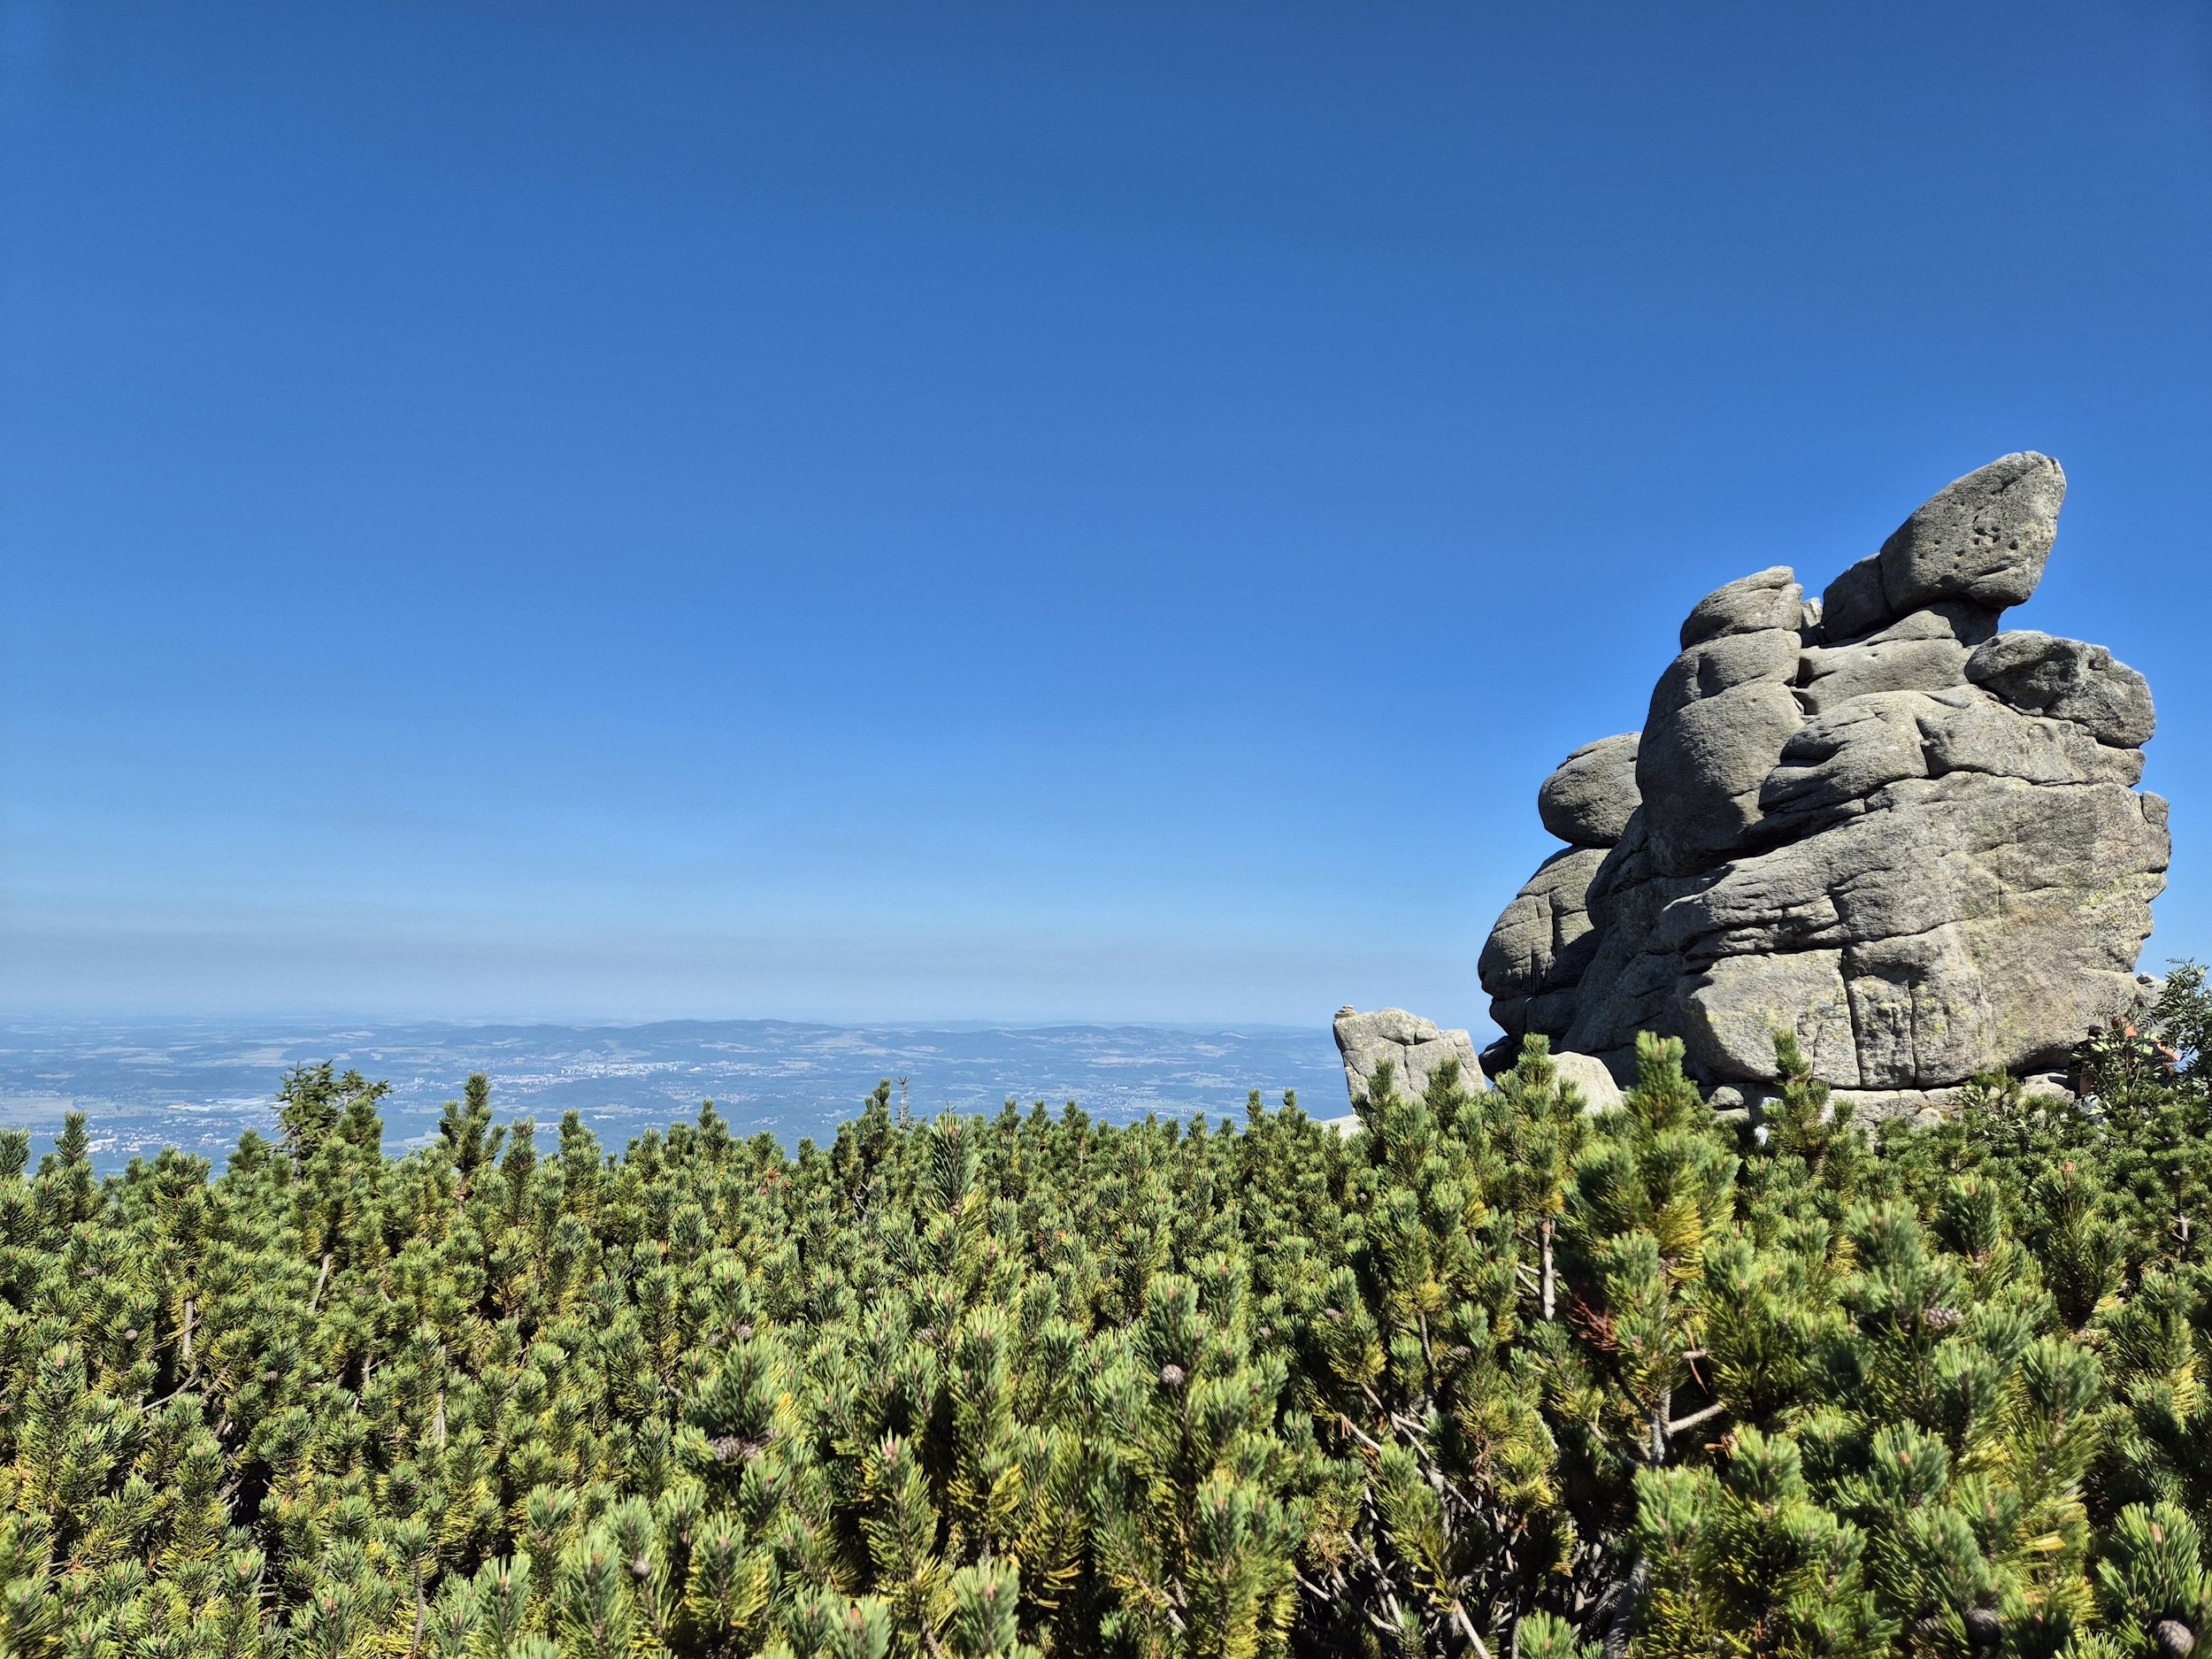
198,1084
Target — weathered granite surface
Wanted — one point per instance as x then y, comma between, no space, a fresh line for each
1873,816
1588,801
1413,1044
1589,1075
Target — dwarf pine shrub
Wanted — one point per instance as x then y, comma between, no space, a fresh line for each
1493,1375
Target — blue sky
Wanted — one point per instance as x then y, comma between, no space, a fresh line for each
1000,513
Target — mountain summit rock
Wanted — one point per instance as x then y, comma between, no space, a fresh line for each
1873,818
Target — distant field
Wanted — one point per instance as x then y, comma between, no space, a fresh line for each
199,1085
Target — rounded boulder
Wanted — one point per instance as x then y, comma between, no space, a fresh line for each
1588,800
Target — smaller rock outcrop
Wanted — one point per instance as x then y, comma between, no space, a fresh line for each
1414,1046
1588,1074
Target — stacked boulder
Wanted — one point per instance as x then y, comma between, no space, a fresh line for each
1871,817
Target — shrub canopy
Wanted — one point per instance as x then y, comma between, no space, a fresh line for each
1493,1374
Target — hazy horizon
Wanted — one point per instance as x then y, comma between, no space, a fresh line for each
199,1084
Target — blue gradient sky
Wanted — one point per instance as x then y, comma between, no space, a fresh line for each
1000,513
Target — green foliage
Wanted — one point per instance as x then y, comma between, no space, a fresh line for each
1744,1557
1493,1374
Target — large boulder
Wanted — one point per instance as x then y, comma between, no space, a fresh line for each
1537,954
1587,803
2069,681
1982,538
1414,1046
1874,819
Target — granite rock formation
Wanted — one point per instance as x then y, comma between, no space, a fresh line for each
1871,816
1414,1045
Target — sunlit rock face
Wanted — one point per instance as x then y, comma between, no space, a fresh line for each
1415,1048
1874,817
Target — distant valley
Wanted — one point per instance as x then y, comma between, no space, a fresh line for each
198,1084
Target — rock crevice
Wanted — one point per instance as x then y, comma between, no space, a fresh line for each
1873,816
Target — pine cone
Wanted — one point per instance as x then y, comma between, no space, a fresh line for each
1172,1375
2174,1638
728,1448
1983,1626
1941,1318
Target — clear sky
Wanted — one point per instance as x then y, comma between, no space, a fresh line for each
1004,513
